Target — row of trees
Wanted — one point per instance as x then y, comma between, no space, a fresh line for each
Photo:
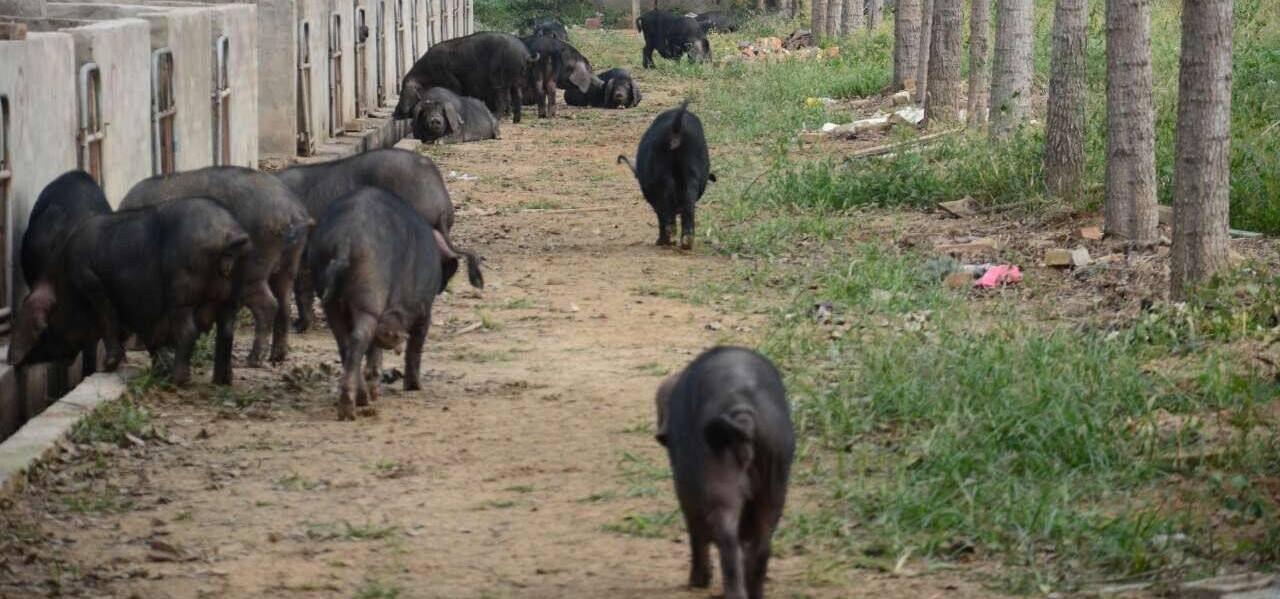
928,53
843,17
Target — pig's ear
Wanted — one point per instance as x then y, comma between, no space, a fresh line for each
663,403
32,320
736,430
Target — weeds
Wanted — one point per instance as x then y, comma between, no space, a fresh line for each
649,526
346,531
376,589
112,422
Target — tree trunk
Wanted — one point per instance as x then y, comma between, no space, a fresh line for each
851,16
834,12
1064,126
979,83
875,13
1011,68
1130,210
906,42
818,18
943,102
1202,179
922,54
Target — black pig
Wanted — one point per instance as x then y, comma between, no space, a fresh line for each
619,91
444,115
165,273
673,167
727,428
63,204
277,224
488,65
377,269
672,36
409,176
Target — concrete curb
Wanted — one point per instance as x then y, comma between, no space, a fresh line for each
39,437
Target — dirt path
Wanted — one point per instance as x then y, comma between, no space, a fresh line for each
509,475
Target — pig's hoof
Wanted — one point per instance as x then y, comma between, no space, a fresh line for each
362,399
662,241
253,361
346,412
277,356
686,242
301,326
412,384
700,580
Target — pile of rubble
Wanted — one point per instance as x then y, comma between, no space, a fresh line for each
799,44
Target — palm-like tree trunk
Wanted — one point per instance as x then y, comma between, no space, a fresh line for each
1130,210
943,102
1202,179
906,42
818,18
1011,68
851,16
1064,126
979,82
922,56
875,13
835,9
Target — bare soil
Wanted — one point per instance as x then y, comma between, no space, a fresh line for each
503,477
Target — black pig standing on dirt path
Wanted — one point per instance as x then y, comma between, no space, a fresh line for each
673,167
672,36
408,176
727,428
377,269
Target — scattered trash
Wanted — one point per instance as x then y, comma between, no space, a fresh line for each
1002,274
812,102
960,208
595,22
911,115
457,176
1061,258
772,49
1091,233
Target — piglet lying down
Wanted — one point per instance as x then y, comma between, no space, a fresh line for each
727,428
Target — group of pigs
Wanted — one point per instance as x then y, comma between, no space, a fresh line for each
369,236
457,91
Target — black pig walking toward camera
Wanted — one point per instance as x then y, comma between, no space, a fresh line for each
727,428
673,167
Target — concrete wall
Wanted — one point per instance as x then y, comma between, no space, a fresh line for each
277,62
186,34
240,24
121,48
23,8
37,77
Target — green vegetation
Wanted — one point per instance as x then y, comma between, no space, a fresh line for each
935,426
112,421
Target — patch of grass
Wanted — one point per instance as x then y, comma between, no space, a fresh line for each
346,531
599,497
112,421
375,589
106,501
238,398
394,469
654,369
650,525
522,303
496,504
1051,447
519,489
296,482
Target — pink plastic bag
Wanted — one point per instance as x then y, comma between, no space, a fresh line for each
995,276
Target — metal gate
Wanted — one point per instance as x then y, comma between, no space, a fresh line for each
444,19
362,34
400,68
164,110
306,143
413,28
380,51
222,102
91,126
335,75
6,174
